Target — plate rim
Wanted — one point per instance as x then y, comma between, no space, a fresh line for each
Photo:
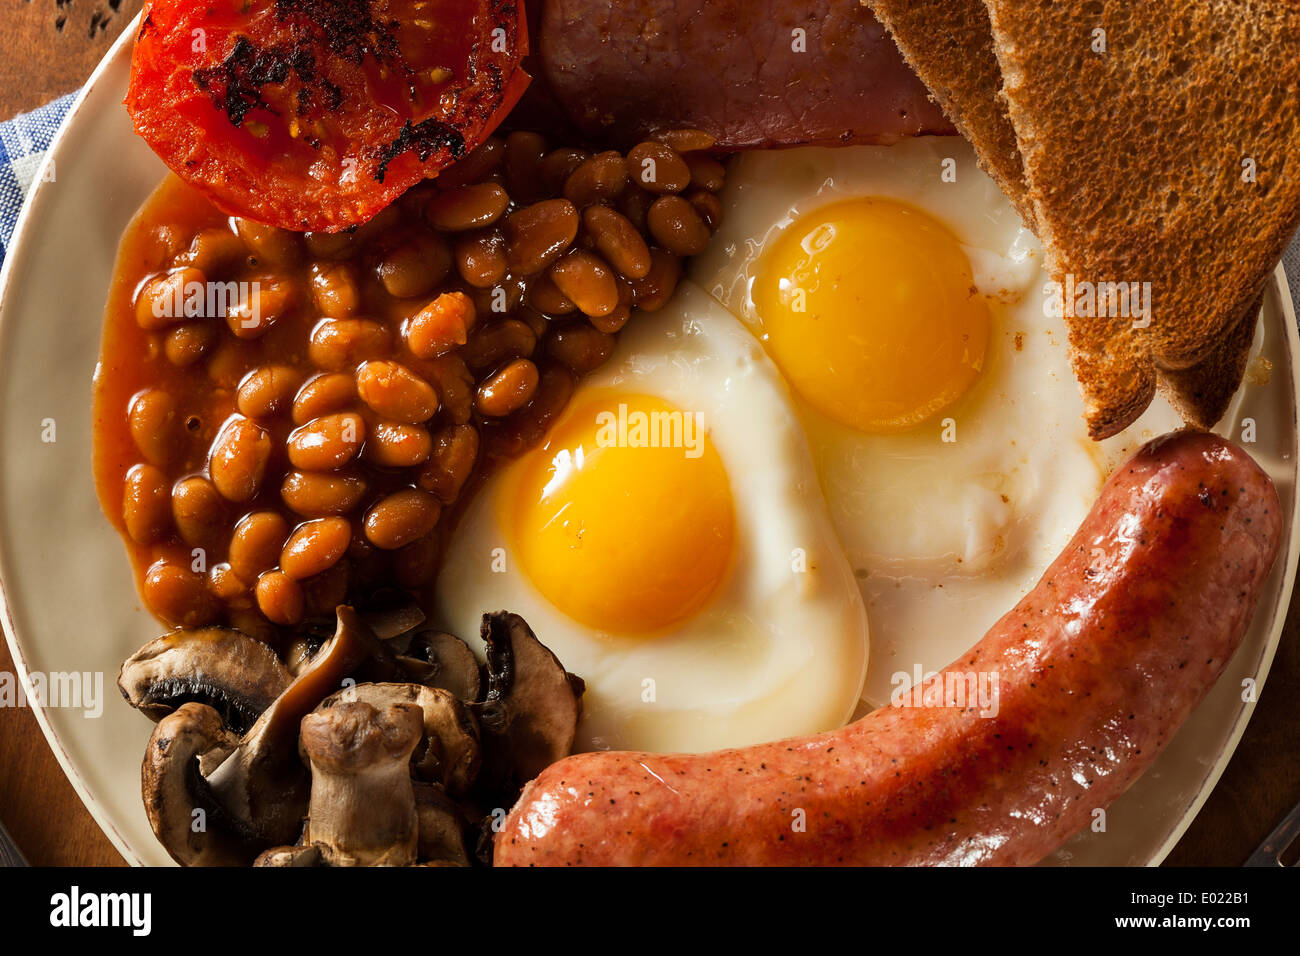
17,253
1278,287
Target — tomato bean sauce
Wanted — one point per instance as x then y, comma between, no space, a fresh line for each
285,422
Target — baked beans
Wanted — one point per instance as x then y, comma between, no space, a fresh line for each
313,494
266,391
177,595
634,204
268,298
537,234
440,326
558,165
155,425
394,391
329,245
256,544
401,518
338,344
523,161
162,300
323,394
280,598
239,457
146,505
658,169
481,257
547,299
580,347
618,240
467,207
706,172
186,344
198,509
414,266
587,281
455,450
685,140
416,564
398,445
677,226
478,165
270,456
708,206
214,250
455,384
315,546
508,390
600,178
225,584
613,320
269,245
328,442
657,286
334,289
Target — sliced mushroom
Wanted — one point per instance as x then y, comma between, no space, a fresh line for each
185,815
448,752
530,715
442,831
438,659
230,672
362,803
264,783
391,624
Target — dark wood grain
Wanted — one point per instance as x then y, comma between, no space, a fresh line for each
38,806
50,48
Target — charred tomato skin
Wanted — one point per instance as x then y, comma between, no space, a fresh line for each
315,114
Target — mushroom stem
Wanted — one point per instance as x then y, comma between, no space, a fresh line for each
264,783
449,752
362,803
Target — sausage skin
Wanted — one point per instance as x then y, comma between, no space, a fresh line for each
1096,669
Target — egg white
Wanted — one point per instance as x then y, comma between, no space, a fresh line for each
781,649
944,536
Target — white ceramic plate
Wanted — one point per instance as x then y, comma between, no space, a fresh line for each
70,603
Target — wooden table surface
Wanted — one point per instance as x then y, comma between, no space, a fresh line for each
50,48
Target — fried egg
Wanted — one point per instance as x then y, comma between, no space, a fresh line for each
903,301
670,544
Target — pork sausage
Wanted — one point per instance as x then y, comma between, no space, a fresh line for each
1095,670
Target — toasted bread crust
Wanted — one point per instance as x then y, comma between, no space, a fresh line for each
1171,156
949,44
1202,392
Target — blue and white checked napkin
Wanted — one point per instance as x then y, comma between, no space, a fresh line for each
23,142
25,138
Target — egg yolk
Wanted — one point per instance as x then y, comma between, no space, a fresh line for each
624,518
869,310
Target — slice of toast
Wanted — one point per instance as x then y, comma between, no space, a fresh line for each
949,44
1202,392
1161,145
